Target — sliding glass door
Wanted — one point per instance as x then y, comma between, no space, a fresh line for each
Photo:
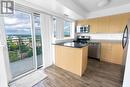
23,36
19,40
38,40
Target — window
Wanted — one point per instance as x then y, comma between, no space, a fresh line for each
54,27
67,28
62,29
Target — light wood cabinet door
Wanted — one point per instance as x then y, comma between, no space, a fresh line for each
117,53
116,24
106,52
93,25
125,18
82,22
111,52
103,25
71,59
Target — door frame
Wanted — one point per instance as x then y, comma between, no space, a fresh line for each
34,31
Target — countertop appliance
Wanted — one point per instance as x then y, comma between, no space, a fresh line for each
94,48
125,41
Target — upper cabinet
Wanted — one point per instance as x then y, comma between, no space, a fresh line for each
93,25
116,24
103,24
109,24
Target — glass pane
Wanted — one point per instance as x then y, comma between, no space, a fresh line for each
67,26
54,27
19,41
38,40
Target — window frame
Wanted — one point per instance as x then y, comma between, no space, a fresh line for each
72,29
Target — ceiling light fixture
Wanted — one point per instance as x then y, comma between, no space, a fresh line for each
103,3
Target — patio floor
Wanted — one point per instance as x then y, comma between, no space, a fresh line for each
24,65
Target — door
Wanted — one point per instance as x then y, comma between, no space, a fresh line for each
19,36
23,35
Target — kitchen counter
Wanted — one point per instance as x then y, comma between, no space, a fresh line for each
73,44
72,56
77,44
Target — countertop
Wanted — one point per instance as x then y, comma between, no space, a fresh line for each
76,44
73,44
80,45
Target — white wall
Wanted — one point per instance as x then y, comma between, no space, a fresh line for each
4,62
4,43
46,28
3,70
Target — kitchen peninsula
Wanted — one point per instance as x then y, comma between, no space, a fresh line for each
72,56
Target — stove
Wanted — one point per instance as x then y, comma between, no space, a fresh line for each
94,47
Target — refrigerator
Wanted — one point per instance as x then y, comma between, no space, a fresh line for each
125,44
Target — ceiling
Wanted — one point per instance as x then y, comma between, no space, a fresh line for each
91,5
78,9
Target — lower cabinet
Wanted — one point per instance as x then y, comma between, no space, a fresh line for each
106,51
72,59
117,53
111,52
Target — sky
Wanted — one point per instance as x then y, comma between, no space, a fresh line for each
20,24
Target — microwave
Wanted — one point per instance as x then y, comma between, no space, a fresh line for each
83,29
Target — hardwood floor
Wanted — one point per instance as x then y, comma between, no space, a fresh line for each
98,74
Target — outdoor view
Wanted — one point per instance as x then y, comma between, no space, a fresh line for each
19,40
67,27
20,47
38,40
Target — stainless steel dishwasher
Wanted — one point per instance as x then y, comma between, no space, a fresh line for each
94,50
